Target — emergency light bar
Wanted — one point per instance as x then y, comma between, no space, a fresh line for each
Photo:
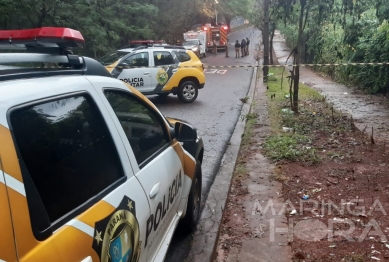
47,54
41,37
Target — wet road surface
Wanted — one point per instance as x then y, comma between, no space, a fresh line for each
215,113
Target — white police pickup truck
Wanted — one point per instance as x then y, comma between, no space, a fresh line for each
90,170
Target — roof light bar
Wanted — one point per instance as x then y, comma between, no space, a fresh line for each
42,37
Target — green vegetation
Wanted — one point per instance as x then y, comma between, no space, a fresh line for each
109,24
290,147
340,31
290,139
251,119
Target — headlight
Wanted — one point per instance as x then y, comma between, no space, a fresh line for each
194,49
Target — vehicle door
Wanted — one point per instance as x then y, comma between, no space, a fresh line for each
7,243
76,197
164,68
203,44
135,71
160,170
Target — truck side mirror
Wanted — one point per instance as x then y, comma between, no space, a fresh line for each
185,132
123,64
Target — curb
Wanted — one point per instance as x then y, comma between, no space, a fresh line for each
204,243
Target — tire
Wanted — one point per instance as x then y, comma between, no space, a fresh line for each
163,94
192,216
188,92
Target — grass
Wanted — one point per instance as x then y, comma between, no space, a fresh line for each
290,147
294,146
245,99
250,119
240,170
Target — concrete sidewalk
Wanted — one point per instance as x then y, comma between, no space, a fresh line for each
248,234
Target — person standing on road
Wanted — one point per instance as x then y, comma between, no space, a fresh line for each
214,47
247,45
237,49
243,47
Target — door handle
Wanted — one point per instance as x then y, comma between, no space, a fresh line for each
154,190
146,73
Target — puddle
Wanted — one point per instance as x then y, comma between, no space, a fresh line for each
367,110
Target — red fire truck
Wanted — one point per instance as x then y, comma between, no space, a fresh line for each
217,33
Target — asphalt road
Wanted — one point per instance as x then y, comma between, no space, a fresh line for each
215,113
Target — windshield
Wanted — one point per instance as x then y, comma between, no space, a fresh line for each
190,42
112,58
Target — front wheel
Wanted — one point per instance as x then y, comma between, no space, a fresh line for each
192,216
188,92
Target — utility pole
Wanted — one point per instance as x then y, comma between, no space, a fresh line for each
265,36
216,2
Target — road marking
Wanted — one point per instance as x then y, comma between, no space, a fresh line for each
215,71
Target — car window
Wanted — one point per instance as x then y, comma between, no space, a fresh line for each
112,58
163,58
190,42
140,59
144,129
183,56
67,150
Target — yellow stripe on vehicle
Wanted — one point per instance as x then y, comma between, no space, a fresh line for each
188,162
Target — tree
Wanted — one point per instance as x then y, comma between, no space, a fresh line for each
108,25
301,12
233,8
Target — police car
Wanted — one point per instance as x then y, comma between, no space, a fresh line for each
160,70
110,60
90,170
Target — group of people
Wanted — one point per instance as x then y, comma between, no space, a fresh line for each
242,46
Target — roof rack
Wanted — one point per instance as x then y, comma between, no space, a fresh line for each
44,45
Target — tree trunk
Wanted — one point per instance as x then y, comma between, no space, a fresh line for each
273,29
298,59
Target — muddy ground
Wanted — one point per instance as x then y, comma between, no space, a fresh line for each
333,210
337,209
